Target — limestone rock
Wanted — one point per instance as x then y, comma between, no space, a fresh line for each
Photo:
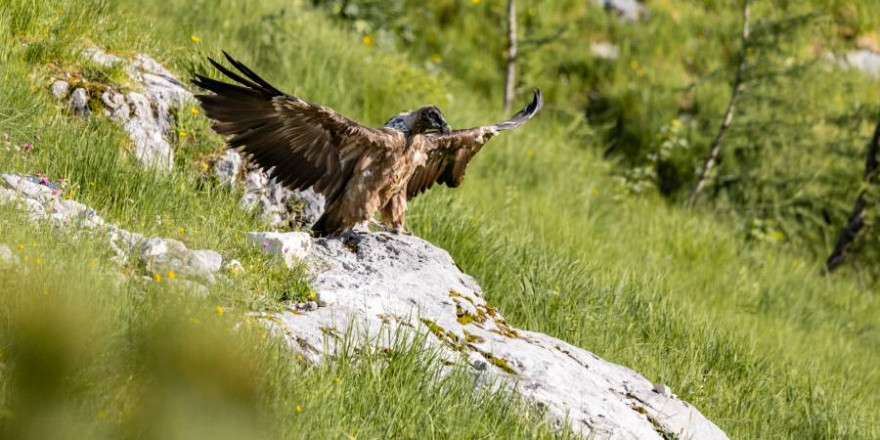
79,102
292,247
164,255
147,130
146,114
98,56
278,205
227,167
605,50
380,283
627,10
43,202
7,258
864,60
60,88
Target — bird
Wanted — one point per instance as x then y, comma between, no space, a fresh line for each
358,169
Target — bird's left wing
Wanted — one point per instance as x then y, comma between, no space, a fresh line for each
449,154
306,144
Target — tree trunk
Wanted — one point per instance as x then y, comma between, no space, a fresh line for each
857,218
511,55
728,115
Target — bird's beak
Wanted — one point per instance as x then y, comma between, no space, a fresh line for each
445,129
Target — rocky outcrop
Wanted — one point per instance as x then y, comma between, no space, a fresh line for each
159,257
376,284
147,115
279,206
146,112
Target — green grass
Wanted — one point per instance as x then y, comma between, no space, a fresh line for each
747,331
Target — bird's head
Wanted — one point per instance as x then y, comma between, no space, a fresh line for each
430,118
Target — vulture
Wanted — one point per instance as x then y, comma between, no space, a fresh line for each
358,169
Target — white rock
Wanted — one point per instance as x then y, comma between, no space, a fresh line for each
381,283
154,248
60,89
158,255
864,60
662,389
627,10
7,258
116,106
100,57
203,263
292,247
162,255
277,205
146,115
605,50
79,102
147,132
227,167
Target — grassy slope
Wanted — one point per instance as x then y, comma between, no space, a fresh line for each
752,336
86,358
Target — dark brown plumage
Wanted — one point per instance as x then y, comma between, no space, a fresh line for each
359,170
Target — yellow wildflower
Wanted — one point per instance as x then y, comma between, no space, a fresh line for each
181,230
368,40
181,133
157,277
219,310
172,275
299,409
194,111
476,2
205,166
91,263
21,246
38,261
195,38
313,295
299,357
530,153
102,414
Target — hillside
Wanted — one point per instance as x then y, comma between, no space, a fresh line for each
747,330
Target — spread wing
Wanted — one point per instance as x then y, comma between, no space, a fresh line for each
306,144
450,153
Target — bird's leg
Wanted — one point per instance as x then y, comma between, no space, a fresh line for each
377,225
393,213
398,228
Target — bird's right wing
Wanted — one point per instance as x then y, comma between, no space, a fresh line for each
449,154
306,144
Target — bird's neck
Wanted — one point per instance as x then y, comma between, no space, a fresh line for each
404,122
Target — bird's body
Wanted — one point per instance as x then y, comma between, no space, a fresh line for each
359,170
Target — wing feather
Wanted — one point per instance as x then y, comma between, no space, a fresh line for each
449,154
304,144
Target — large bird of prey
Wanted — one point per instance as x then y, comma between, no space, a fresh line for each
358,169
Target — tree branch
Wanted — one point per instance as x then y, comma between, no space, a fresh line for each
511,55
728,115
857,218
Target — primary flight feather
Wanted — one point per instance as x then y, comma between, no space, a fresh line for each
358,169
